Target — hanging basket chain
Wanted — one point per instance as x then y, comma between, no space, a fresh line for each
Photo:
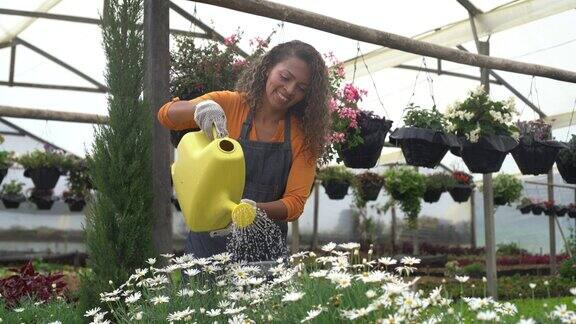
413,88
571,118
430,82
373,83
356,61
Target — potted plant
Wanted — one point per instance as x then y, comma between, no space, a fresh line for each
525,205
462,188
536,151
407,186
538,207
336,180
42,198
572,210
566,161
436,184
78,185
12,195
357,136
507,188
6,161
367,185
422,140
549,209
560,210
199,67
484,129
44,167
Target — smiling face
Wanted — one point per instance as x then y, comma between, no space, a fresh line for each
287,84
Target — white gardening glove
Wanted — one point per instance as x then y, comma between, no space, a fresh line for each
207,114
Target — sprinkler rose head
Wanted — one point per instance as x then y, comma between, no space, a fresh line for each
243,215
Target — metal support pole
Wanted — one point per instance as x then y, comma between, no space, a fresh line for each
315,221
12,64
489,231
552,226
393,228
156,93
295,237
473,220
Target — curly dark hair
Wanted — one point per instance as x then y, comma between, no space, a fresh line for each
312,112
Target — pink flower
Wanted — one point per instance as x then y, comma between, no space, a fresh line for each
350,93
349,114
259,42
333,105
238,63
231,40
337,137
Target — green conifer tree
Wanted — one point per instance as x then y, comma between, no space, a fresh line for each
119,222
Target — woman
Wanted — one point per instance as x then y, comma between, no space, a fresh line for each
279,115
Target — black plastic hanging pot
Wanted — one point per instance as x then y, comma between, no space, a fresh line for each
370,192
500,201
571,213
537,209
486,155
460,193
432,195
43,204
44,178
11,201
421,147
76,205
549,211
567,171
561,210
373,130
525,209
336,189
535,157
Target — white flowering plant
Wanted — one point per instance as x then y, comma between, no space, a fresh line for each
479,115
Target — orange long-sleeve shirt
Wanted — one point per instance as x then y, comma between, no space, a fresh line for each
303,167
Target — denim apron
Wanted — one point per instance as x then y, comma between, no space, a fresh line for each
267,169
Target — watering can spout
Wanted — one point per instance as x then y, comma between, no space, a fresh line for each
209,178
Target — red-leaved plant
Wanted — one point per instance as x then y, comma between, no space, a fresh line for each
26,282
461,177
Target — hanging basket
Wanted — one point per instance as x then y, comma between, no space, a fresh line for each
500,201
336,189
12,201
432,195
486,155
550,211
43,204
561,210
420,146
525,209
76,205
535,157
370,192
44,178
373,130
460,193
567,171
571,213
537,209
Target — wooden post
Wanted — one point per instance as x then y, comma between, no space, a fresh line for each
393,229
156,93
315,221
552,226
472,220
295,237
373,36
489,231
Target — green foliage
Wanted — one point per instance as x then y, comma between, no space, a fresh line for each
6,159
332,173
439,181
475,270
50,312
78,179
511,248
408,184
44,159
507,187
14,188
119,221
536,129
363,182
568,269
424,118
478,116
568,156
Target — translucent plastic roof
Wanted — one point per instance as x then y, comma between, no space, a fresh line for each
548,41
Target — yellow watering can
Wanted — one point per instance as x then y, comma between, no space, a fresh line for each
209,177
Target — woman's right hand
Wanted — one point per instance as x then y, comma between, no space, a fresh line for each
208,114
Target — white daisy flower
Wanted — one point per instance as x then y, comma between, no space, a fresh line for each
191,272
236,310
160,300
133,298
185,292
410,261
313,313
462,279
214,312
151,261
526,321
167,255
532,285
349,246
92,312
328,247
292,296
203,291
370,294
319,274
387,261
487,316
180,315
